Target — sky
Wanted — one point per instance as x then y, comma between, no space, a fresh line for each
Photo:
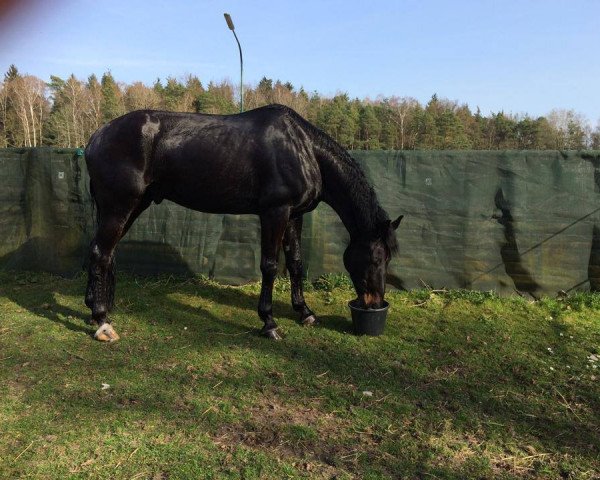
520,57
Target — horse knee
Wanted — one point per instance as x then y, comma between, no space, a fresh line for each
99,260
268,269
95,257
295,268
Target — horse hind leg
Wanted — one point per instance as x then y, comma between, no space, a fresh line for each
101,274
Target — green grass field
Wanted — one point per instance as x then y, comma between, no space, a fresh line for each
462,385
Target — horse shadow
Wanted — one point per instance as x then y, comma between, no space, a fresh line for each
33,255
19,273
24,286
41,302
23,265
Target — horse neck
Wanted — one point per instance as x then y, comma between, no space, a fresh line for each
347,191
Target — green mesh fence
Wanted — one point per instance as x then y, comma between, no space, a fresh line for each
508,221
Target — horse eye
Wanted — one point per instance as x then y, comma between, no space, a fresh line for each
378,256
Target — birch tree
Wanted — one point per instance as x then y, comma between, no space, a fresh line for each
3,116
27,97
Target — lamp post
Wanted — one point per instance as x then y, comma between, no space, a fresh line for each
232,28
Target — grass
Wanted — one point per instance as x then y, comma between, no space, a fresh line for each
462,385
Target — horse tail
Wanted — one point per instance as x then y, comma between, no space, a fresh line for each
95,215
87,264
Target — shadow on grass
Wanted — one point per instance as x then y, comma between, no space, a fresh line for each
42,301
335,323
60,314
470,399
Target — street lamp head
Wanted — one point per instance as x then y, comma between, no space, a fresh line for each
232,28
229,21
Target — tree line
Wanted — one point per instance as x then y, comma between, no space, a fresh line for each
64,112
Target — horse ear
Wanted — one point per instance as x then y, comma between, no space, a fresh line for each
396,222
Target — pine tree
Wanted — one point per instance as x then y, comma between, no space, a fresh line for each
12,73
193,90
112,99
370,128
265,91
504,131
173,94
216,99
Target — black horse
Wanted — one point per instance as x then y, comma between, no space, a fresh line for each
268,161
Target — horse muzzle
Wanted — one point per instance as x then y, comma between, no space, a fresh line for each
370,300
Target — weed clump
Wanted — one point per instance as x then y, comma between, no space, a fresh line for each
332,281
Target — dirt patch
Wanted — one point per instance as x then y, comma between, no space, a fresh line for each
302,434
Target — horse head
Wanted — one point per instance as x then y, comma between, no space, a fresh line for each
367,260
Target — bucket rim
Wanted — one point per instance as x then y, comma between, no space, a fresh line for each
386,305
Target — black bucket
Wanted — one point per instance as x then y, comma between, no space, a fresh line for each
368,322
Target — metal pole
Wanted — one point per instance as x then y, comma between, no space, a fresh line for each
241,74
232,28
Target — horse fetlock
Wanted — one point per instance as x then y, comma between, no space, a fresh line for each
265,312
106,333
89,299
299,305
99,311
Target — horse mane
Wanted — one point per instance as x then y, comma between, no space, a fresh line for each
358,187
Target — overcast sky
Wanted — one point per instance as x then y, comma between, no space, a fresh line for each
525,56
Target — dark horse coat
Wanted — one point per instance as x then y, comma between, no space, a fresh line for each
268,161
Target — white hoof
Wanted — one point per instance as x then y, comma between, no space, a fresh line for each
106,333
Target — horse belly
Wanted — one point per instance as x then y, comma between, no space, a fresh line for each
212,196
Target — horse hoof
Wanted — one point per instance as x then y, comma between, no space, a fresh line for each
273,334
310,320
106,333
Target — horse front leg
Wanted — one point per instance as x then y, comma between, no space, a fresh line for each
293,261
272,225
